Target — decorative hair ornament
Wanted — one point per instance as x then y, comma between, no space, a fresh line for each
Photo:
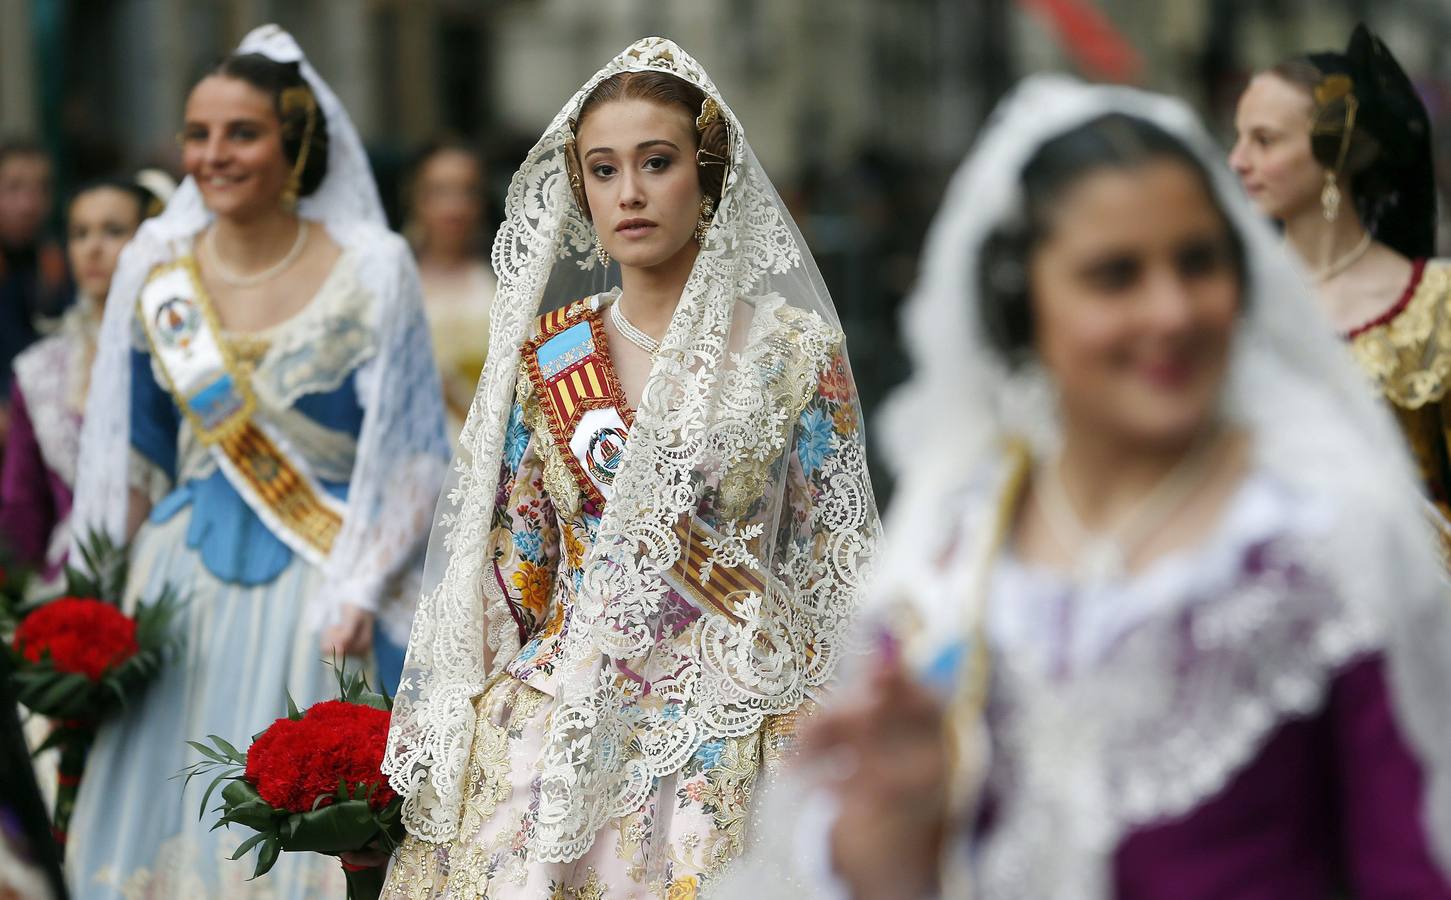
704,157
1333,88
571,167
291,101
709,113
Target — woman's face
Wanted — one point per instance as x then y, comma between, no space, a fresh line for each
1272,153
449,200
637,159
232,146
1135,296
100,223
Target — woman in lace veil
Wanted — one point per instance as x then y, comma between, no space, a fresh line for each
659,522
1159,618
265,424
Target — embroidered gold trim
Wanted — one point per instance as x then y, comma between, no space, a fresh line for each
1409,357
240,382
558,429
288,495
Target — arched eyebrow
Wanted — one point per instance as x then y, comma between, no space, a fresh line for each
643,145
229,123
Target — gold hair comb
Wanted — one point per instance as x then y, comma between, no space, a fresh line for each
709,112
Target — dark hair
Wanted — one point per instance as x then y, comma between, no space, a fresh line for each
274,78
1116,141
147,203
1328,123
1388,160
426,154
713,141
11,147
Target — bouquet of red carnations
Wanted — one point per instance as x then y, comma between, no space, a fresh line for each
77,658
312,781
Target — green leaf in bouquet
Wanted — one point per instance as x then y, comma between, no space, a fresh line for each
231,752
209,753
292,711
245,806
58,695
375,700
347,825
207,794
103,569
267,856
248,844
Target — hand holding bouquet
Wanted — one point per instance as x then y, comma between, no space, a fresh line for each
312,781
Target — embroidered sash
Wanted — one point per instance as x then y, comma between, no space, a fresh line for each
216,397
569,367
704,573
574,381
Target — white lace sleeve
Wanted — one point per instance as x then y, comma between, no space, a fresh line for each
403,446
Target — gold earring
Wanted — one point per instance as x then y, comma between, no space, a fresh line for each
293,100
707,215
600,253
289,193
1330,198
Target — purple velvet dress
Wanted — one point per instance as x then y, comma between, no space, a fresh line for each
47,399
1219,726
1330,807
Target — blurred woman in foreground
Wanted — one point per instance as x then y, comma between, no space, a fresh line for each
1157,616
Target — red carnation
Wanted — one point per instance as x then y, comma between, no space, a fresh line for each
83,636
293,763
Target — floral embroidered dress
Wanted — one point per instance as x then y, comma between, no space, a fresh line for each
563,444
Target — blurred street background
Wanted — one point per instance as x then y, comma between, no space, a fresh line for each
859,109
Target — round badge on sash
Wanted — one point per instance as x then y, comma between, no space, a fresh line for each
599,445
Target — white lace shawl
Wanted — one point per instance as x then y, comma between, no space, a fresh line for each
717,411
403,444
52,375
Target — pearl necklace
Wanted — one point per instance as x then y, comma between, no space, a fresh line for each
228,276
630,332
1102,556
1340,265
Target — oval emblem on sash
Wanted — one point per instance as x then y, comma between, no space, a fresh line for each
604,453
177,322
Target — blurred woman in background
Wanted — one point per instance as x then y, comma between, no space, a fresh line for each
446,224
265,419
1337,148
52,377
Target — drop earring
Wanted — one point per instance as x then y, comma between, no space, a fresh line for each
600,253
707,215
1330,198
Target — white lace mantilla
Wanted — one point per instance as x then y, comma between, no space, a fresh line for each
1157,692
53,375
714,430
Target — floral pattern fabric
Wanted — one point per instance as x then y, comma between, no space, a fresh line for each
694,823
